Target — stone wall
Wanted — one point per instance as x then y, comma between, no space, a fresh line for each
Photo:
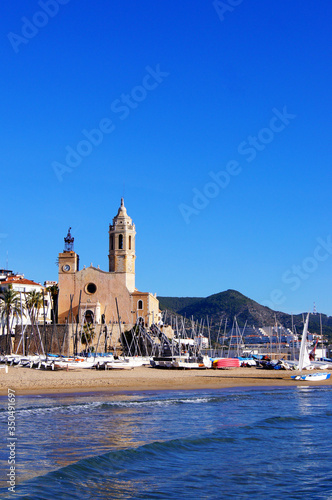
53,338
59,339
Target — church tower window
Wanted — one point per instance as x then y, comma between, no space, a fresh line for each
120,241
140,304
129,243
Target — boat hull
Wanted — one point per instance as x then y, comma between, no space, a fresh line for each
223,363
312,377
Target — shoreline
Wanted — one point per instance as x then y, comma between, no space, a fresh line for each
27,381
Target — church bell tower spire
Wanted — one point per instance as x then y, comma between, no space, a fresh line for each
122,246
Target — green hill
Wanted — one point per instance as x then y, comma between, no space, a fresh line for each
226,305
175,304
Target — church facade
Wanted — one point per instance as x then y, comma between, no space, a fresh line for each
97,296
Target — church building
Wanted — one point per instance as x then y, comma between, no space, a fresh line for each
96,296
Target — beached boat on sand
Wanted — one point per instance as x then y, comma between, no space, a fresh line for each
192,363
119,364
222,363
312,377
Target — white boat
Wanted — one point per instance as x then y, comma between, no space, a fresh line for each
31,361
140,360
127,363
66,365
312,377
192,363
304,361
319,365
73,364
119,364
327,361
167,361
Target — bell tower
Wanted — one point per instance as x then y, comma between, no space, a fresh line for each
122,246
68,259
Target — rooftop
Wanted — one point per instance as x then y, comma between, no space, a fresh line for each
18,279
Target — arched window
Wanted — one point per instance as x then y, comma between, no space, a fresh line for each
89,316
120,242
140,321
129,243
140,304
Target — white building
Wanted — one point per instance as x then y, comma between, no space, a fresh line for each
23,286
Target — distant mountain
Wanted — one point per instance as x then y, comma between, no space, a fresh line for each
232,303
176,304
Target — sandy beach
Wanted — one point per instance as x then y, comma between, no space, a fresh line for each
31,381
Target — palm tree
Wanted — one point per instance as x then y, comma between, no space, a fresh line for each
34,301
9,307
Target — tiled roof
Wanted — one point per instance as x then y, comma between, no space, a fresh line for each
12,280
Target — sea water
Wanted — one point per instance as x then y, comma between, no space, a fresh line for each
257,443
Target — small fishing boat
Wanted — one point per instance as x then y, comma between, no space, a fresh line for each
167,361
222,363
312,377
163,361
118,364
65,365
192,362
73,363
247,362
319,365
123,363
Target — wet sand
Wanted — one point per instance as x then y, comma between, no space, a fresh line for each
31,381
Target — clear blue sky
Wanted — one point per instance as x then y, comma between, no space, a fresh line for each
183,92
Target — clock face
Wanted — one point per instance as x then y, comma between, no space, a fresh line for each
66,268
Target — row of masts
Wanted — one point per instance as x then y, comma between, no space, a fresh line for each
139,341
